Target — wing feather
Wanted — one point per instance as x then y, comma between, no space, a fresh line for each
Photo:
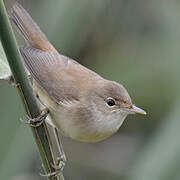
49,70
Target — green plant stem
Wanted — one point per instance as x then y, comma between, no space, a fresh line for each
14,59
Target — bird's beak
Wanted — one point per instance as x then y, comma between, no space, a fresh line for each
137,110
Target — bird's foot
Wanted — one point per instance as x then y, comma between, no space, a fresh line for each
58,168
36,122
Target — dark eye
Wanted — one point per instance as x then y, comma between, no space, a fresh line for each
110,102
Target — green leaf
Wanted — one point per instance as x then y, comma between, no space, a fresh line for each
5,71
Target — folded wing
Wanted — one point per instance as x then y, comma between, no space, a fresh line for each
60,76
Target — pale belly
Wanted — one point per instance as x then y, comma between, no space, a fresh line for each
81,130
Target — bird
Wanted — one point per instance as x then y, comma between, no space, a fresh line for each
82,105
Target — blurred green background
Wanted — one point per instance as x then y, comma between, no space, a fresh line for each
134,42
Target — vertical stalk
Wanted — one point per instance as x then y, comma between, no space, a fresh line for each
40,133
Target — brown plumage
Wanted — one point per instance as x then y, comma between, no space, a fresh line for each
82,104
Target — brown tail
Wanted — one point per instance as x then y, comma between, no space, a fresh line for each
29,29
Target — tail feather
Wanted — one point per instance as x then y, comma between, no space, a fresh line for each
29,29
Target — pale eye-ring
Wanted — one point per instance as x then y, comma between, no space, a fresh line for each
110,102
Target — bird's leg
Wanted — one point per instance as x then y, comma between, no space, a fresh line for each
61,159
62,156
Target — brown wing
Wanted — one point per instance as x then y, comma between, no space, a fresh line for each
61,77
